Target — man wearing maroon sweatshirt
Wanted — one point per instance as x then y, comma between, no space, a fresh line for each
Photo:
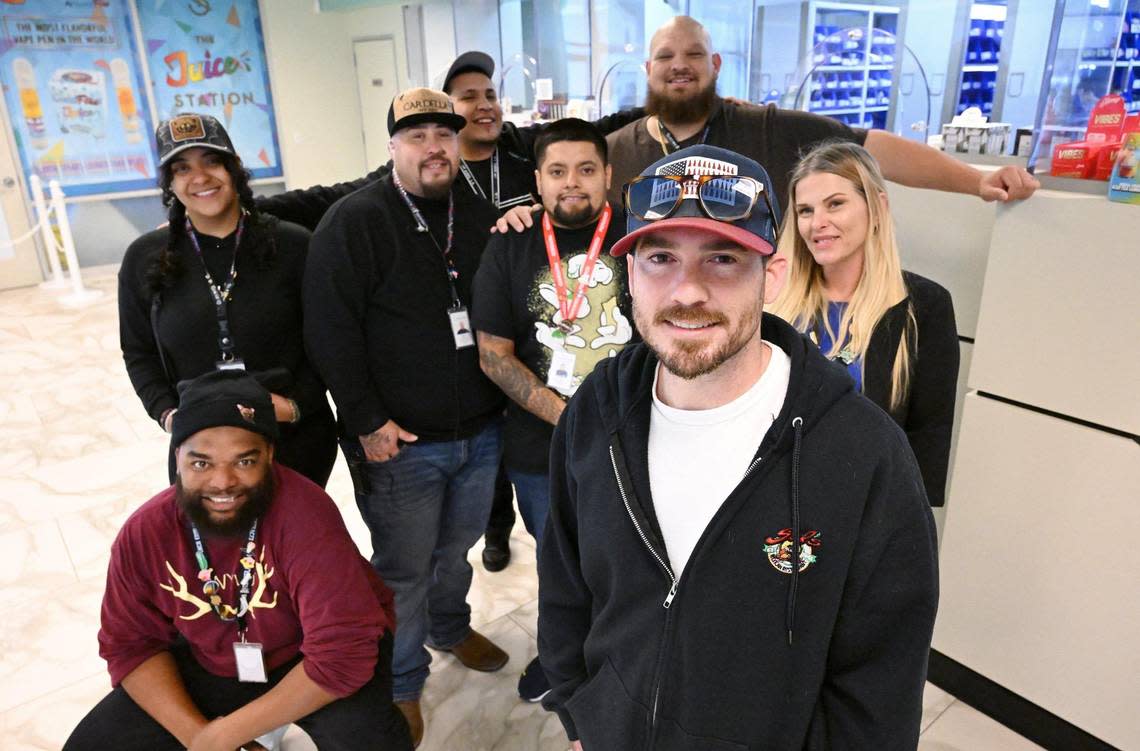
236,601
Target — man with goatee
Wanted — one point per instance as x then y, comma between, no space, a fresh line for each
549,305
236,601
685,110
387,300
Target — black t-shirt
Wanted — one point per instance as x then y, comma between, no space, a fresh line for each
516,180
514,298
775,138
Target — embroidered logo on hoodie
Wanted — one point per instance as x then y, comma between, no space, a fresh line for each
779,550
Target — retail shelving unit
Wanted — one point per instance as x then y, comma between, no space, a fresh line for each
983,49
853,57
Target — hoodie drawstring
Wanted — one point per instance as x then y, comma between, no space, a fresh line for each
790,615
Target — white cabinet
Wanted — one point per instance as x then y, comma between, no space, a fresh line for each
1039,565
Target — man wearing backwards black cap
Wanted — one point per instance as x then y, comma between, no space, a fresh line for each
236,601
768,576
387,295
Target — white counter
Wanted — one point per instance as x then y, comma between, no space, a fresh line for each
1040,557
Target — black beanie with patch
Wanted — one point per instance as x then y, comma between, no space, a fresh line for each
222,398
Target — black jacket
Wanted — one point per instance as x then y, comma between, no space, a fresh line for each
264,316
927,414
737,654
376,314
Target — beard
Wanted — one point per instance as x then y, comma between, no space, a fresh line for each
257,500
575,218
690,109
692,359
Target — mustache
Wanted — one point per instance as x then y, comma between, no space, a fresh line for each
689,314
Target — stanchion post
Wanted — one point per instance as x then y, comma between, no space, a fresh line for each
79,295
42,216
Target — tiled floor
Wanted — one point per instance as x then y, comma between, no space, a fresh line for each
77,454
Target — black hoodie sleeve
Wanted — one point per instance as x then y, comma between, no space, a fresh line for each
306,206
933,389
136,337
564,601
339,273
876,665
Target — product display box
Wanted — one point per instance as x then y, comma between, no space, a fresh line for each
969,133
1093,157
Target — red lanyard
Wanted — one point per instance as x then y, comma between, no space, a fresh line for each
570,309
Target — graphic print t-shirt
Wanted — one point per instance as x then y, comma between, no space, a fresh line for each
514,298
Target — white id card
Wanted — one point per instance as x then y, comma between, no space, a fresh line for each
461,328
250,664
561,374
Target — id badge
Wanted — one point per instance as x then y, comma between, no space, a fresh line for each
235,364
461,327
561,374
250,663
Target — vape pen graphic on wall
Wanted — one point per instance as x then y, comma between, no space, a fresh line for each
128,107
33,111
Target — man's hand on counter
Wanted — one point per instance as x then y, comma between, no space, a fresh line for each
1008,183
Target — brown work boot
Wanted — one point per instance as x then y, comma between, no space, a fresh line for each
479,653
411,712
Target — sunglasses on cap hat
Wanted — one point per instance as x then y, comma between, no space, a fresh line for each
725,198
703,188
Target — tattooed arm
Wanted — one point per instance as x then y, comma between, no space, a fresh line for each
498,360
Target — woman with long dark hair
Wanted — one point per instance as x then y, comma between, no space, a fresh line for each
892,330
219,287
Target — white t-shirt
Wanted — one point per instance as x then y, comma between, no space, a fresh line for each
698,457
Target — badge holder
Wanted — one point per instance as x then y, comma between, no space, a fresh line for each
560,377
461,326
250,662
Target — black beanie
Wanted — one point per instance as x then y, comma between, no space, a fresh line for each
223,398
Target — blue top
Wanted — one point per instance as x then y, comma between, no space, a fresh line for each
855,367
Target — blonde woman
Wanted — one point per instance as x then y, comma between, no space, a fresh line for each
892,330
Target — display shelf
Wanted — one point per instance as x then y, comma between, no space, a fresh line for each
978,82
853,59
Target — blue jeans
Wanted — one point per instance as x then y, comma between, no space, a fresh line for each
425,509
533,494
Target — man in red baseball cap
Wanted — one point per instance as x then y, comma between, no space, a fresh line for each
739,551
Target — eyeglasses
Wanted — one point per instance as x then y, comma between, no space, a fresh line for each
725,198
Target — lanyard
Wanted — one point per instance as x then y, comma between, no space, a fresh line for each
220,293
475,186
569,309
212,586
673,143
422,226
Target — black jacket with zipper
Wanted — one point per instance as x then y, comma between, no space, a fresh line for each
732,653
376,314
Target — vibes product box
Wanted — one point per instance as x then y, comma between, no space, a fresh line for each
1105,128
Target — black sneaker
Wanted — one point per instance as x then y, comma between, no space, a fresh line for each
532,683
496,552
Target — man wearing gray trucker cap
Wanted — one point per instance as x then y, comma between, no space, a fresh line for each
739,551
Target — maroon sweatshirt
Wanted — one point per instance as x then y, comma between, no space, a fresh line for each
312,591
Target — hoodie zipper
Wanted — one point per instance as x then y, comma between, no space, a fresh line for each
674,582
641,533
668,598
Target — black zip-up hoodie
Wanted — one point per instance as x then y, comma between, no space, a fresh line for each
376,322
733,653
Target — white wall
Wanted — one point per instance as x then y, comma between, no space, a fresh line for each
439,30
314,85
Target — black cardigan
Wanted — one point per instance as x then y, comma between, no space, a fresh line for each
927,414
